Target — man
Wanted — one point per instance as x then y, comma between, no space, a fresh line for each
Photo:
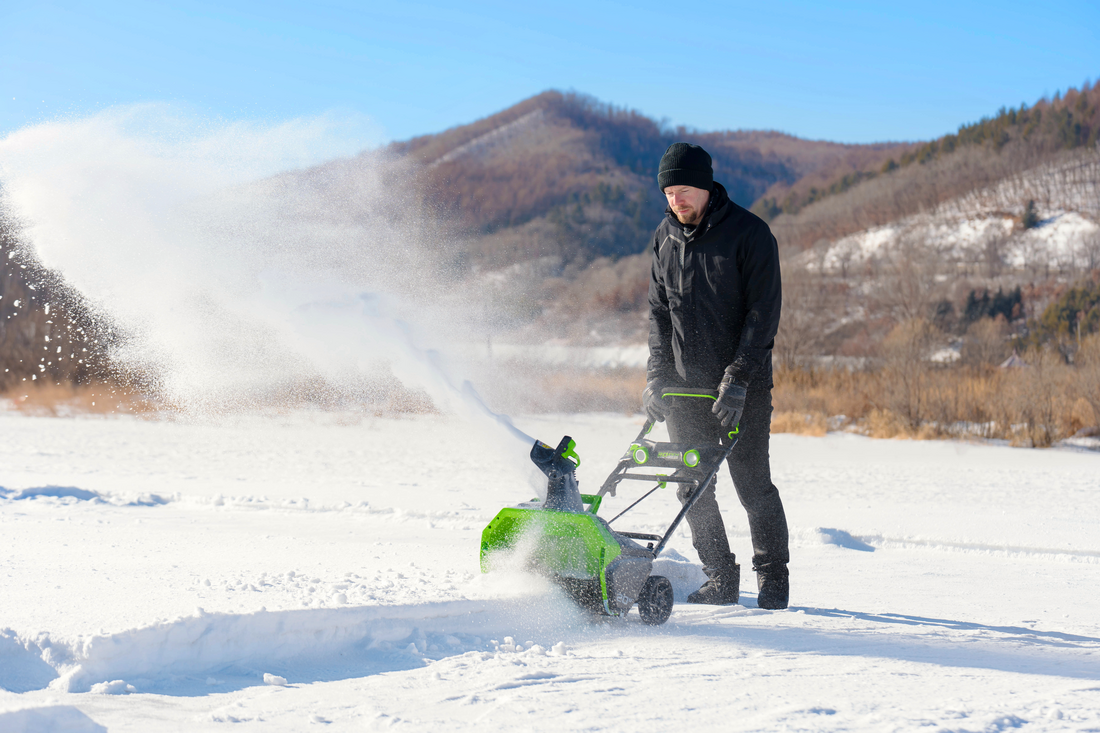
714,300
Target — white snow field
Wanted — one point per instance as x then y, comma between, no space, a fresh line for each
316,570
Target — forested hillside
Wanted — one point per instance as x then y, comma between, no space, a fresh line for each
926,175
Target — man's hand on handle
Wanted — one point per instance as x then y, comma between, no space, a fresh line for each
655,408
731,401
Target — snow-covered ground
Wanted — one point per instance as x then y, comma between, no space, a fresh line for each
302,570
1061,238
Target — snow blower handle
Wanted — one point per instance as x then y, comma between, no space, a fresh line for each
678,394
732,437
689,393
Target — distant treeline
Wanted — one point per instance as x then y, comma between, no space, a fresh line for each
1062,123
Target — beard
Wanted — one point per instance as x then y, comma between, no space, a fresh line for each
690,218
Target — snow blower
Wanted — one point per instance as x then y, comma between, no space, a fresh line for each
603,570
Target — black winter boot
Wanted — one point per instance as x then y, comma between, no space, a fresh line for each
723,588
773,584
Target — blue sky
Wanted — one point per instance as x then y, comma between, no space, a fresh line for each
846,71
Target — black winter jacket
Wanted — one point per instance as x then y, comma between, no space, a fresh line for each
714,297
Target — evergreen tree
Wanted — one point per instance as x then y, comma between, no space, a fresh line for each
1030,219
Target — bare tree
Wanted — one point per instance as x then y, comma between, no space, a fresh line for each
985,343
906,370
805,315
1037,398
993,256
1089,251
908,284
1088,372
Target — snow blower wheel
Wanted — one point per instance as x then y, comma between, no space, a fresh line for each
655,600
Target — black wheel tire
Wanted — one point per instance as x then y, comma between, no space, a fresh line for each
655,600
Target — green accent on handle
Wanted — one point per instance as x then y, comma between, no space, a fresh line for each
594,499
663,484
570,454
691,458
688,394
639,454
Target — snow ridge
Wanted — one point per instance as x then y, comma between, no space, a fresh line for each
212,652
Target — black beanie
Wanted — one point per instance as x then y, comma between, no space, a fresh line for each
684,164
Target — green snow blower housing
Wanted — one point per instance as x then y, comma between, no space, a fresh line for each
600,569
604,571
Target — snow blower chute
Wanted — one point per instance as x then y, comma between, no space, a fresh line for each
603,570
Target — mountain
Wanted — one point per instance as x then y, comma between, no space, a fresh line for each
562,174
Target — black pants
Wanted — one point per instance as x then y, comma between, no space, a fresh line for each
692,421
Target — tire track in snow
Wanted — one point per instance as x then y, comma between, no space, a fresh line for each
872,542
1091,557
70,495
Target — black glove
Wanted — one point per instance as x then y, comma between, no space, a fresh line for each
656,409
730,403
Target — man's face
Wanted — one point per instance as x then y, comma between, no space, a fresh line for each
687,203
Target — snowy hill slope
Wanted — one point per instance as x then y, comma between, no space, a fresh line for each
970,229
306,569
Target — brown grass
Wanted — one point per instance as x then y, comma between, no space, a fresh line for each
1033,406
64,399
47,399
532,388
800,423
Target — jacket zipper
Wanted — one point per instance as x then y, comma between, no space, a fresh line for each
683,246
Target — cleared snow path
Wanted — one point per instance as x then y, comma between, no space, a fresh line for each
940,586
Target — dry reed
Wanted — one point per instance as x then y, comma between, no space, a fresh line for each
63,399
1035,405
